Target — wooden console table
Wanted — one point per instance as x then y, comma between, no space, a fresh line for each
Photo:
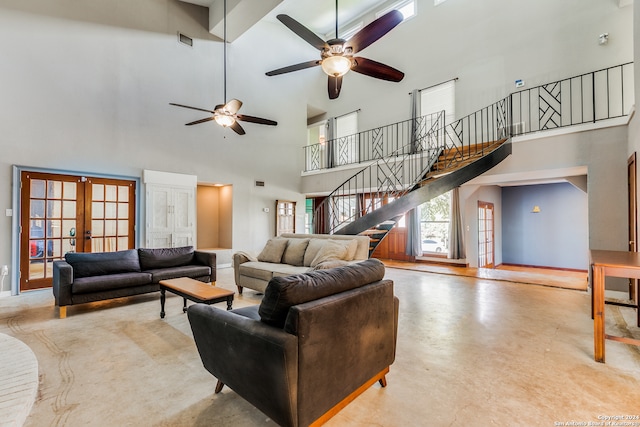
614,264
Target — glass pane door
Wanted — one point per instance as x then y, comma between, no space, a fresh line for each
65,213
110,227
49,225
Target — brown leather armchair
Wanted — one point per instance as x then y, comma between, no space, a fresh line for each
314,344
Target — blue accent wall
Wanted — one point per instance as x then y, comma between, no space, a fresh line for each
558,236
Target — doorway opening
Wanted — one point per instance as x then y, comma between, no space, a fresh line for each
486,246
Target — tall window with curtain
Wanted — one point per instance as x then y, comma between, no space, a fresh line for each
438,98
435,216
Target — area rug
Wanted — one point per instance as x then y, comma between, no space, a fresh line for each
18,381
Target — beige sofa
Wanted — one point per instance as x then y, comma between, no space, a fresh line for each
295,254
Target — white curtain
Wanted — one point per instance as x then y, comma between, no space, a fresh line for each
456,242
331,135
414,241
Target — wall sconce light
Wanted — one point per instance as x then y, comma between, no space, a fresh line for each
603,38
536,209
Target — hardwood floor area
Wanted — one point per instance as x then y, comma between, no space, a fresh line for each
529,275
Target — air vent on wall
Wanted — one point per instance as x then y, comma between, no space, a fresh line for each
185,39
259,183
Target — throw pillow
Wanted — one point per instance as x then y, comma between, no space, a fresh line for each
273,250
294,253
351,245
330,251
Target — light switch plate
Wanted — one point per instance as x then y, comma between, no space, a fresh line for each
8,212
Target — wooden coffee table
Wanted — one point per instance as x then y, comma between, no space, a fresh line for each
194,290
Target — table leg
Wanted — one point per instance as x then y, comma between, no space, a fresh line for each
598,313
162,298
229,302
184,305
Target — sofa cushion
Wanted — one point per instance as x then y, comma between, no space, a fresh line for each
106,282
257,269
288,270
165,257
284,292
294,253
273,250
102,263
192,271
312,250
331,263
330,251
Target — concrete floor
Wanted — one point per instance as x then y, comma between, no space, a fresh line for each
470,352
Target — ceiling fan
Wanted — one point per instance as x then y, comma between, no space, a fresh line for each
336,55
226,115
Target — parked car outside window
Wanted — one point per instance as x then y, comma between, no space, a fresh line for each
430,245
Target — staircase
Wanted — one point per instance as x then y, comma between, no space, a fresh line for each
427,157
434,159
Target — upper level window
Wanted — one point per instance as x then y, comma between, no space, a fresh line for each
406,7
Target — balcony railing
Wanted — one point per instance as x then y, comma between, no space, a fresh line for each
368,145
587,98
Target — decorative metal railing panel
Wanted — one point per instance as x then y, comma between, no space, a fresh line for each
587,98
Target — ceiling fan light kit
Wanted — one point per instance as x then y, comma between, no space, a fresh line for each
226,115
336,66
336,55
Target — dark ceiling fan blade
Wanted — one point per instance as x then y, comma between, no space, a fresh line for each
295,67
199,121
258,120
335,83
193,108
237,128
302,32
376,69
374,30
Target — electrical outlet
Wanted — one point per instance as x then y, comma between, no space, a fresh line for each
5,270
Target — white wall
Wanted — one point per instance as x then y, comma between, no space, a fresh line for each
86,88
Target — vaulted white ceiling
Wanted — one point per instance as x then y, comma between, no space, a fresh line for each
317,15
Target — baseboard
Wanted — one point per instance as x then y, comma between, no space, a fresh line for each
224,265
5,294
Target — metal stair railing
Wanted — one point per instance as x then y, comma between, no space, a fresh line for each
394,176
389,176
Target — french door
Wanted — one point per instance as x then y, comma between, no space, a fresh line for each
66,213
486,247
